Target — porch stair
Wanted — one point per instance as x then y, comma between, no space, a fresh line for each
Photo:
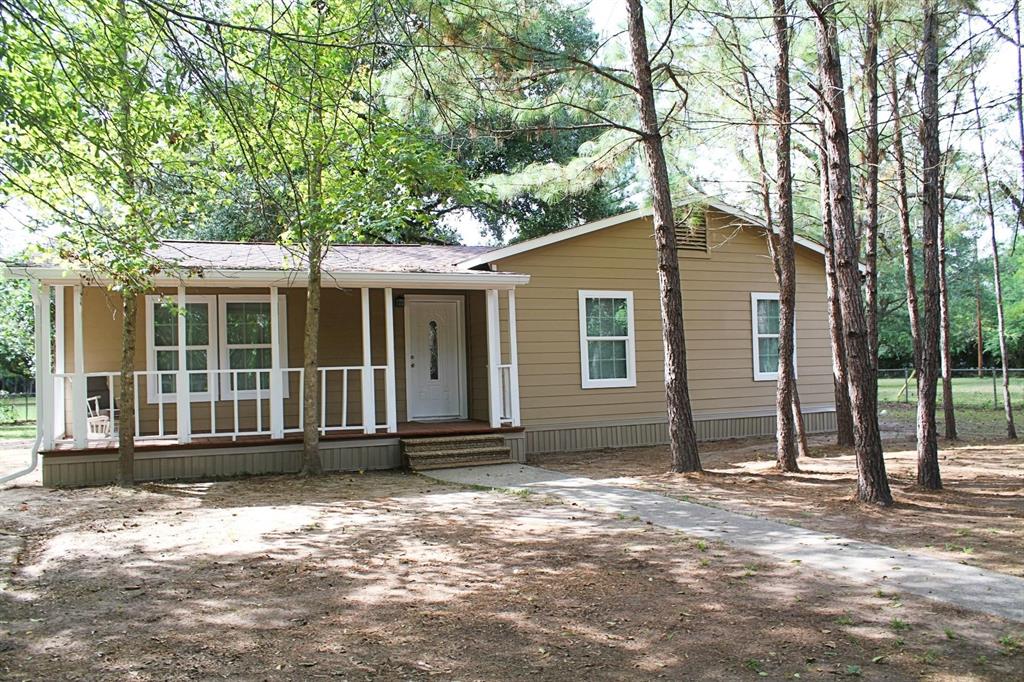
447,452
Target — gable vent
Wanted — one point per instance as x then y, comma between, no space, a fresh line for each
692,233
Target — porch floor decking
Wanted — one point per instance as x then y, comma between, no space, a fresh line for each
465,427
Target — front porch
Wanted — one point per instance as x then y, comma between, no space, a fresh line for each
395,362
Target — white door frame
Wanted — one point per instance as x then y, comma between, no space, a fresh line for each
460,336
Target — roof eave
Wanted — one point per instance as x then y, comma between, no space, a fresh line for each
248,278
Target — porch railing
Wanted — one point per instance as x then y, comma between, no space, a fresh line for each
342,389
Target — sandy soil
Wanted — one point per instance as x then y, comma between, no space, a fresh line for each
977,519
392,576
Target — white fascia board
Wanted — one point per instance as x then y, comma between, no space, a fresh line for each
250,278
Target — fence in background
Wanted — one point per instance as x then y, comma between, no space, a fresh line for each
971,388
17,399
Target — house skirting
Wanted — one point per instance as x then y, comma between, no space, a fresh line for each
71,469
68,469
638,433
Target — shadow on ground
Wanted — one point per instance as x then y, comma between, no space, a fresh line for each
392,576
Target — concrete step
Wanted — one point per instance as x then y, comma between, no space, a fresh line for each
455,451
411,445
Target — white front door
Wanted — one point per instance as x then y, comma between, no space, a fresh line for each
435,357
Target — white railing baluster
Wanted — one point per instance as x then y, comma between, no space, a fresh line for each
323,401
213,403
344,398
160,404
136,386
259,402
233,379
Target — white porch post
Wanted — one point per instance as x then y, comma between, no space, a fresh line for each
369,399
59,385
389,344
493,360
181,383
276,392
44,376
79,391
513,357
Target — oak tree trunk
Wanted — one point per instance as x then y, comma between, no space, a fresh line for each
126,394
844,416
928,476
683,437
311,462
786,450
872,483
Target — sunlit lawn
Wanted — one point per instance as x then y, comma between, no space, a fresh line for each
967,391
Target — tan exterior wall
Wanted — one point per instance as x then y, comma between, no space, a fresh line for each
716,300
340,345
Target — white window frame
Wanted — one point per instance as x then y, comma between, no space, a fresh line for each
282,343
630,379
212,356
755,336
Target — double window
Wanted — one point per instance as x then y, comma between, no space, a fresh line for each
607,339
232,332
764,310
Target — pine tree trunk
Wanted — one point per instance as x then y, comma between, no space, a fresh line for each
872,159
1011,429
801,432
906,237
844,416
311,462
683,437
928,475
126,394
786,451
948,412
872,483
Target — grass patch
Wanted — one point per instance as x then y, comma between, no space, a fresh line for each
22,431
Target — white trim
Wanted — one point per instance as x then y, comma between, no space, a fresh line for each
460,323
79,388
222,344
212,357
493,322
59,383
183,410
44,372
756,296
630,379
368,387
276,377
390,399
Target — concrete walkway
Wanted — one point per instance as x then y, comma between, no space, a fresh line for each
967,587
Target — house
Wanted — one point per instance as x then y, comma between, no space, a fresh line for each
552,344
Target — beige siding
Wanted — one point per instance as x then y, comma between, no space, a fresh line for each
716,300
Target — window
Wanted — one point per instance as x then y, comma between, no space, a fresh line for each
245,344
162,345
607,352
764,309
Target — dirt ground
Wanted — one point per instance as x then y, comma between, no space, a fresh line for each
977,519
396,577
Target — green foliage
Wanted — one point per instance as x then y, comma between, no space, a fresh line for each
17,348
